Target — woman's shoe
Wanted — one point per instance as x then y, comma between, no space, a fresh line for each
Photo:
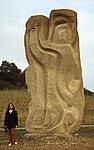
9,144
15,142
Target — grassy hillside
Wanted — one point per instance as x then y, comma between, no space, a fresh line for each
21,99
89,110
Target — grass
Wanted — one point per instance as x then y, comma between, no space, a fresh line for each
21,99
19,134
89,110
84,132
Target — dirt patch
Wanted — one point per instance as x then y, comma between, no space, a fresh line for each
48,142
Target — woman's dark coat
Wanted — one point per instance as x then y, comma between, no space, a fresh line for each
11,119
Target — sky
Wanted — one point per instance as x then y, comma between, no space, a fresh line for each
14,15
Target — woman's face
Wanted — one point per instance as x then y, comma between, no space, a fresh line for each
10,106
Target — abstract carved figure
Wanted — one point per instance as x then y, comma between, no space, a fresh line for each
54,76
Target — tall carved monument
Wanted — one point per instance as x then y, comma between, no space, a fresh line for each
54,75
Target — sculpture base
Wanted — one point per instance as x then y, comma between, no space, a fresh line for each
48,136
53,139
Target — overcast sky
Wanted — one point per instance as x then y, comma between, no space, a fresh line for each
15,13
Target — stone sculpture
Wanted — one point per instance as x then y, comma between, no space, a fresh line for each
54,75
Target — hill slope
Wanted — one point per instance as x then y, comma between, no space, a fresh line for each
20,99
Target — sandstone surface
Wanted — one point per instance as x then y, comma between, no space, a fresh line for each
54,75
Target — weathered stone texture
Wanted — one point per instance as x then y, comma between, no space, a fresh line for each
54,75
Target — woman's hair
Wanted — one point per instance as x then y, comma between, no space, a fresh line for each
9,108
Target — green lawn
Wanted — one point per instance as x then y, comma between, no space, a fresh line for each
21,99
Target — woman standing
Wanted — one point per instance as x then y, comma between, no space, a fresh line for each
11,122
